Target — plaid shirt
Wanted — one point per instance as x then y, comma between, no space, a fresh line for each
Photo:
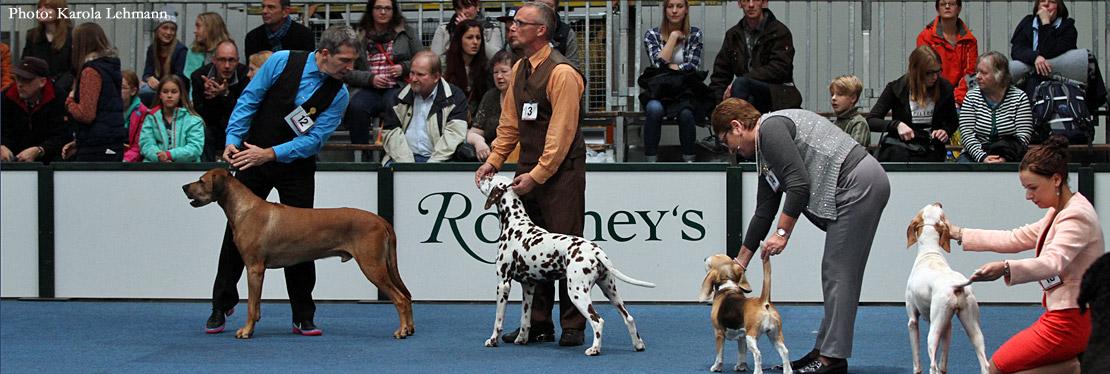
691,54
378,62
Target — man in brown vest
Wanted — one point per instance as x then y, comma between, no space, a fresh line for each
540,112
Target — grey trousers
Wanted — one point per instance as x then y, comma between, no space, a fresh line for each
860,199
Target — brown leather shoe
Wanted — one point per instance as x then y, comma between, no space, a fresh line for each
571,338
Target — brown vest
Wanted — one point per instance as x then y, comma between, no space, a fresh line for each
533,134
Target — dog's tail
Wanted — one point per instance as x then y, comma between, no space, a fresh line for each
391,259
613,269
765,294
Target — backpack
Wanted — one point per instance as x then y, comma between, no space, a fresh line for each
1059,108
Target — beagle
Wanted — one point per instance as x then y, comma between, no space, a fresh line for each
735,314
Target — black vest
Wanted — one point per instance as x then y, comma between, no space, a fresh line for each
268,127
533,134
105,130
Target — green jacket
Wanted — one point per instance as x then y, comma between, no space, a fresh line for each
184,145
853,123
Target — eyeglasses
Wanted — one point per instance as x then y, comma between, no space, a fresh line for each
948,5
932,72
381,8
519,23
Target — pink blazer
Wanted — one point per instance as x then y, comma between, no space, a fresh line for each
1071,245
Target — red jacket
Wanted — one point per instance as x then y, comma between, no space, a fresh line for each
957,61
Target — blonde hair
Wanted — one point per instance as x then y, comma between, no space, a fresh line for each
62,29
665,28
259,58
847,85
215,32
922,59
733,109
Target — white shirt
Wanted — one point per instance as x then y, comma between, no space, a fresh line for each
922,114
417,132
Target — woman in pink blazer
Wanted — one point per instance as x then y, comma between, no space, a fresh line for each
1067,241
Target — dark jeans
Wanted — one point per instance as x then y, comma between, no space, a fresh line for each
98,154
365,105
653,128
755,92
296,186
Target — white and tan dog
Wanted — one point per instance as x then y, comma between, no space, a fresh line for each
734,314
936,292
529,254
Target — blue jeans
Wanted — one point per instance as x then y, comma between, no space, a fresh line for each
755,92
365,105
419,159
653,128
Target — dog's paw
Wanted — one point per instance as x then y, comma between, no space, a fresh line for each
743,366
521,340
593,351
716,368
639,346
243,333
492,342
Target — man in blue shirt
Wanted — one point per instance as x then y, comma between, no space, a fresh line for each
279,124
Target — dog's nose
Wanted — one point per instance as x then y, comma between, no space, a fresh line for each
938,204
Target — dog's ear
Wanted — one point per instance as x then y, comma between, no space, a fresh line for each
914,230
494,195
219,184
945,236
743,282
708,286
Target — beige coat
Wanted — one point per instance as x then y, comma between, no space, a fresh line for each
446,124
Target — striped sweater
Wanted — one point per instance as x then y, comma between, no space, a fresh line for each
980,125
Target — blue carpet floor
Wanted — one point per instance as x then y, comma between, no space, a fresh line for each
83,336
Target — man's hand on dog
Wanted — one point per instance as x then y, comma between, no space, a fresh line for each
251,156
485,170
523,184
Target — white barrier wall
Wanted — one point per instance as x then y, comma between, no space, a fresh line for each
655,226
19,234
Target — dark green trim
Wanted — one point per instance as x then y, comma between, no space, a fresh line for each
385,203
136,166
1087,183
46,232
734,211
473,166
348,166
20,166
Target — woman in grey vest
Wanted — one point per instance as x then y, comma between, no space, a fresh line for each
831,179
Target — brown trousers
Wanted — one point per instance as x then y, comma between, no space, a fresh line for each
558,206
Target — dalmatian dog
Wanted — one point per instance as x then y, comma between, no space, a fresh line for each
529,254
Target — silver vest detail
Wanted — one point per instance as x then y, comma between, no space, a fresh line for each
823,147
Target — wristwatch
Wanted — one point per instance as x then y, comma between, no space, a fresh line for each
782,232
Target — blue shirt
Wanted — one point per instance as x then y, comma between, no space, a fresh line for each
307,144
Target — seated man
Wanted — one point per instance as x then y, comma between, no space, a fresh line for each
216,88
33,115
428,117
756,61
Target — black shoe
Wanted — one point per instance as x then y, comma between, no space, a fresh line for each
838,366
571,338
535,335
215,324
306,328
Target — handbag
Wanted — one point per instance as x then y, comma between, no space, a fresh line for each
465,152
893,149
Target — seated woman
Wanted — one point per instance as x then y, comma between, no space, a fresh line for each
466,64
173,133
996,121
483,129
955,44
1067,240
675,45
924,112
208,32
165,56
1044,43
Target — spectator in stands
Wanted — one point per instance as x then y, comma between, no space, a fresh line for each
173,133
923,112
468,10
256,61
844,94
216,88
950,37
507,23
1045,42
95,105
1067,241
133,115
34,127
428,119
830,178
465,64
996,120
52,41
278,32
5,66
756,62
673,46
483,130
564,39
208,32
165,56
390,43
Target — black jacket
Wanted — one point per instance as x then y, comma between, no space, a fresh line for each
217,110
895,99
299,38
771,61
1051,41
62,71
43,126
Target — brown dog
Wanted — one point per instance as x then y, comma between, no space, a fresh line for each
260,230
735,314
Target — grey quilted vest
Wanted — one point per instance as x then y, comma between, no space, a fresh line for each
823,147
